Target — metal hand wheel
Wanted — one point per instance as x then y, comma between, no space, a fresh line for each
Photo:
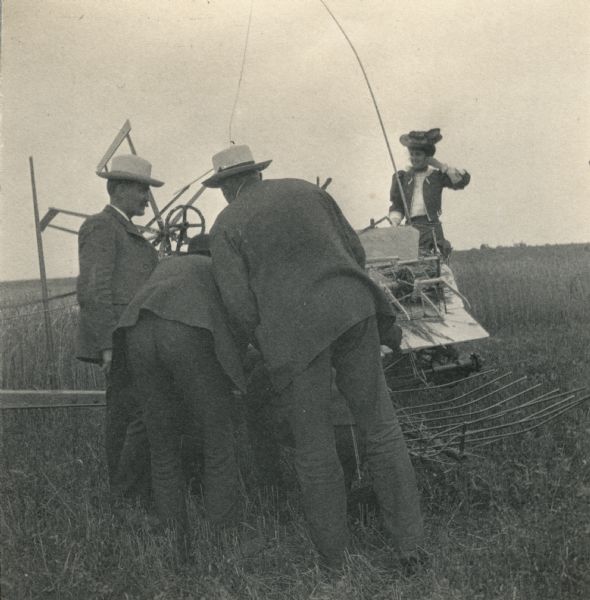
176,227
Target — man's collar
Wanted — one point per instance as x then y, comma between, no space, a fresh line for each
244,185
120,212
123,220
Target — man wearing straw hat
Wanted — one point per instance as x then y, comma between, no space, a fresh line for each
290,271
419,189
115,260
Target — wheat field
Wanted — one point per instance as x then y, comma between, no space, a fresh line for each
512,523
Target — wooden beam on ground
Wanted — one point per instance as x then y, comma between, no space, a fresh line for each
18,399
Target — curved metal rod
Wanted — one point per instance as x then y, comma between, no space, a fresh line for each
451,384
528,418
487,409
495,391
476,400
492,439
540,414
358,58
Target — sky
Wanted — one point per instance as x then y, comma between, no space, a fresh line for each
508,84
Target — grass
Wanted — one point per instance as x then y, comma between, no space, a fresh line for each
512,524
526,287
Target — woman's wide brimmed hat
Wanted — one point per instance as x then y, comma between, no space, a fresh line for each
232,161
421,139
130,167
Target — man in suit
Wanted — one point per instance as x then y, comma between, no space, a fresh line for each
422,184
115,260
290,271
184,361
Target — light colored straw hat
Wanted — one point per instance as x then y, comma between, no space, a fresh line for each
231,161
131,168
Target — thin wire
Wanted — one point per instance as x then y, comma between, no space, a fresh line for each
233,110
403,196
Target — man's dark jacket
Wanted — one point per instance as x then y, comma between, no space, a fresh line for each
115,260
290,271
434,183
182,289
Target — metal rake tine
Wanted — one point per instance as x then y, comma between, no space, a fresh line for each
443,385
536,415
537,400
574,391
471,422
528,418
552,395
494,438
476,441
546,397
465,404
547,409
531,422
510,434
487,408
571,399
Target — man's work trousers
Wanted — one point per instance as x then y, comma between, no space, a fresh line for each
176,371
127,450
355,356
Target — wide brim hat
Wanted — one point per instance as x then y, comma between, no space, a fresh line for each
233,161
421,139
130,167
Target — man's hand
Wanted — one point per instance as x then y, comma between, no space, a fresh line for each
392,338
107,359
395,218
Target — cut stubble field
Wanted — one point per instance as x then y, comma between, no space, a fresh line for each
511,523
